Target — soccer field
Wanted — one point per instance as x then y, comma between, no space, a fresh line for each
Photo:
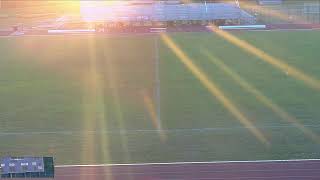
94,99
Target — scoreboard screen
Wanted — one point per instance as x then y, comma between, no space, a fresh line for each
24,167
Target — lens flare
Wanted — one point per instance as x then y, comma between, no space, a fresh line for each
262,98
150,107
275,62
113,79
214,89
94,110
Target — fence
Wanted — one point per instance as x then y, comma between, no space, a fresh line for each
294,11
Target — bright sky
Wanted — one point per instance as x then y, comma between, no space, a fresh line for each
99,10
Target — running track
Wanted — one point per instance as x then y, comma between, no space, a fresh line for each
257,170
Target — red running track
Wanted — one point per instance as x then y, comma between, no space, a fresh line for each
265,170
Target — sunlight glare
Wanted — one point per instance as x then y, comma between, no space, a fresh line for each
150,107
213,89
94,111
262,98
275,62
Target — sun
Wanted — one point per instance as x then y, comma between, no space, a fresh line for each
64,6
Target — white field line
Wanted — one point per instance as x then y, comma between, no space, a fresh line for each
138,34
111,35
262,177
150,131
173,172
157,79
249,177
195,162
209,171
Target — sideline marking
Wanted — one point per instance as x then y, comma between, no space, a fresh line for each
182,163
137,131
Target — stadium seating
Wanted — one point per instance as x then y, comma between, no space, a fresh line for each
165,12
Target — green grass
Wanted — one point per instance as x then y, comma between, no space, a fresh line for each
84,89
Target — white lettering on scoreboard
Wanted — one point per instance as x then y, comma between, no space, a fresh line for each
22,165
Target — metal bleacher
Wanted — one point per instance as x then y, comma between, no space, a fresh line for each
164,12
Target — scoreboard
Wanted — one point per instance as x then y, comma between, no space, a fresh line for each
26,167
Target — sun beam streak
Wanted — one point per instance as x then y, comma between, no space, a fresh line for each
275,62
113,79
150,107
213,89
88,149
95,108
261,97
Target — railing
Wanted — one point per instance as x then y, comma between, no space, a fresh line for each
299,12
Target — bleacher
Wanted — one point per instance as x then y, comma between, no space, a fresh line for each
269,2
164,12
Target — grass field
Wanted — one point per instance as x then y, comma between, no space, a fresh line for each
91,99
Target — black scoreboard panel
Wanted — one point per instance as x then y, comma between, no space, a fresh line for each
27,167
